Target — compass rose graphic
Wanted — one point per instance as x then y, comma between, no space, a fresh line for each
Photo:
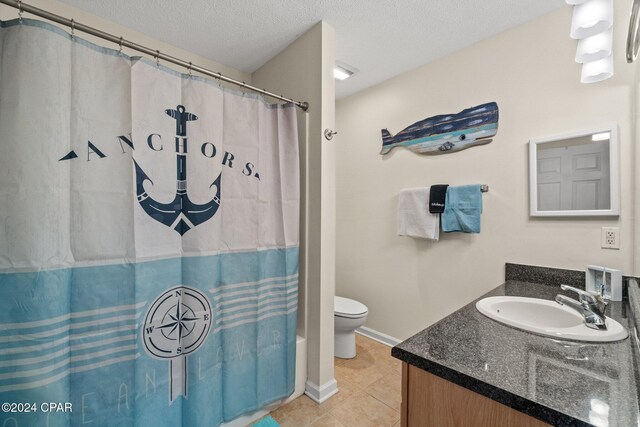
177,324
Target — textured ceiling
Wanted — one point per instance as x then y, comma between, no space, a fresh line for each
380,38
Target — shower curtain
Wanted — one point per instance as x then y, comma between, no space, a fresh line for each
148,240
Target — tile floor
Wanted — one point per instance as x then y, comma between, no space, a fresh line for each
369,393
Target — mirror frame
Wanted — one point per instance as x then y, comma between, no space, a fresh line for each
614,181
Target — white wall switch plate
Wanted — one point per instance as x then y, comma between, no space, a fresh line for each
610,238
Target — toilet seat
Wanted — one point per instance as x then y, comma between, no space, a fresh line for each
348,308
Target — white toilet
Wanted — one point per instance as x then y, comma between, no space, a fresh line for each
348,315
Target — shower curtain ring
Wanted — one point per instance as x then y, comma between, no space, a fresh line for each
158,58
190,75
73,28
244,87
20,11
120,44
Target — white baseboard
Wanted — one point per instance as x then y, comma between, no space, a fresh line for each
378,336
321,393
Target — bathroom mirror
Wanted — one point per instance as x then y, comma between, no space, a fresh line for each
575,174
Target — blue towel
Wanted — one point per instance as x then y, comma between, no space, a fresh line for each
267,422
462,210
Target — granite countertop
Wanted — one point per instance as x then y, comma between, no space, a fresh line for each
563,383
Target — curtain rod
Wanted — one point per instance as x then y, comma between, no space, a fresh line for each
23,7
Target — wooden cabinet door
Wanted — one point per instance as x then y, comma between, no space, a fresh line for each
430,401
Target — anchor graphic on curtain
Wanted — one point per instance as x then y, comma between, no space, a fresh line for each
181,214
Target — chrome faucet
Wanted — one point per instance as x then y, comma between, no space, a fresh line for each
590,305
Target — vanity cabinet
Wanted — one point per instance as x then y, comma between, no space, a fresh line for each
428,400
514,378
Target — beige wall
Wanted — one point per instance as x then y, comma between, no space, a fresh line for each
304,70
529,71
69,12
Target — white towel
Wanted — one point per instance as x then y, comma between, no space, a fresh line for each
414,218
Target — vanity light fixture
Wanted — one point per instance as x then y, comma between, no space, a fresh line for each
597,71
591,17
592,25
595,48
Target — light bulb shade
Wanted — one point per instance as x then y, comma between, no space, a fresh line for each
591,17
595,48
575,2
597,71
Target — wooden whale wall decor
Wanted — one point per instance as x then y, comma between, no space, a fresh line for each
446,133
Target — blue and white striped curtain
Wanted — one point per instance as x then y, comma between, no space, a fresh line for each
148,239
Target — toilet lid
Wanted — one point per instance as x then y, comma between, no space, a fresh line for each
348,308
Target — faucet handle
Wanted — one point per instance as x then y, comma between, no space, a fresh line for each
583,295
592,298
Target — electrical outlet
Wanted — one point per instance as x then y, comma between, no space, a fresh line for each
610,238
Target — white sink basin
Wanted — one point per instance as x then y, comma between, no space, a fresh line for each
548,318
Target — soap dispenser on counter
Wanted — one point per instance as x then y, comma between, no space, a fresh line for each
605,281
